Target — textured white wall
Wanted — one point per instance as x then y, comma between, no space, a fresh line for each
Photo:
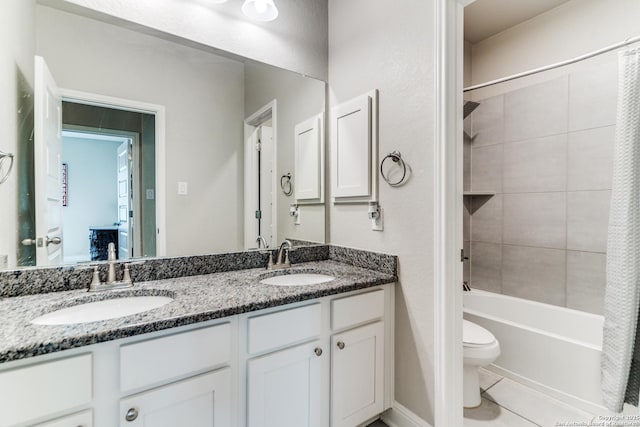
203,98
572,29
298,98
296,41
16,33
376,45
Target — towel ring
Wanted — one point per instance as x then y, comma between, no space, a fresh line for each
286,185
396,157
4,158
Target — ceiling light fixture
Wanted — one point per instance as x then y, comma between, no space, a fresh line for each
260,10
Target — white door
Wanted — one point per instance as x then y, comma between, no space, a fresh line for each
202,401
48,167
285,388
259,190
267,193
357,375
125,219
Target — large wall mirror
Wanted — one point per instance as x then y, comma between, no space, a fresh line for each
165,148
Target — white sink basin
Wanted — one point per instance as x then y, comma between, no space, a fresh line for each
102,310
301,279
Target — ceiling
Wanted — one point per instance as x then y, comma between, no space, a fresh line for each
484,18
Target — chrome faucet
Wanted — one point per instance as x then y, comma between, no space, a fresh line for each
282,257
260,240
112,282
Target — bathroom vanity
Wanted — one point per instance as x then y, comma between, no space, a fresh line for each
227,351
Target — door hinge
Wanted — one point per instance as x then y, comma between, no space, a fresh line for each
131,214
259,145
463,258
258,214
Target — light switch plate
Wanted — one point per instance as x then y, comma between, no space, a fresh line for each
151,194
297,221
183,188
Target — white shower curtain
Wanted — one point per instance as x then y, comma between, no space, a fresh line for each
622,298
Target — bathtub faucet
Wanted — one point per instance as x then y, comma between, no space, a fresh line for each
466,287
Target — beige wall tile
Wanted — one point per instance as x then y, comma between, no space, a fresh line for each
534,273
486,221
535,165
586,279
590,159
486,265
593,96
487,122
587,220
486,168
537,111
535,219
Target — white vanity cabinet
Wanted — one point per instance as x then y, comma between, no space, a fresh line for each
285,387
81,419
326,362
201,401
358,358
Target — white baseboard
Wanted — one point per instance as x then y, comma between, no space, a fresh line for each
400,416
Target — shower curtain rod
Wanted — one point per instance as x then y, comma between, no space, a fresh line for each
627,42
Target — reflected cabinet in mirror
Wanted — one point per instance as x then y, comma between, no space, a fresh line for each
161,147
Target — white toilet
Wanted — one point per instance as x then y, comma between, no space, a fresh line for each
480,348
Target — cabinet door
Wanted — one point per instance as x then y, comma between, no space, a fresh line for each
285,388
202,401
357,375
81,419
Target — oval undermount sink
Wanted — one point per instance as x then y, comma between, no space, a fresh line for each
102,310
300,279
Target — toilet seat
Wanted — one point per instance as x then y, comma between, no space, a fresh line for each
475,335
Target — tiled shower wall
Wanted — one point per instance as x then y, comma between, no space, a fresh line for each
547,152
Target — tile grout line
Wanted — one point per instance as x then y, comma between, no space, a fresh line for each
513,412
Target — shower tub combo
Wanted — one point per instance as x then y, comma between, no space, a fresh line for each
553,349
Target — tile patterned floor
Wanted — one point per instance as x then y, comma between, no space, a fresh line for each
506,403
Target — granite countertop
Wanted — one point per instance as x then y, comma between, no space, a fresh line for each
196,299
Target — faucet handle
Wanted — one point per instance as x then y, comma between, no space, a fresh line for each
270,262
95,282
126,275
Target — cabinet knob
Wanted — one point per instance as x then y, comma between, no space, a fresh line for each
132,414
318,351
340,345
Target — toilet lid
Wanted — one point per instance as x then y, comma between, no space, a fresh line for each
475,334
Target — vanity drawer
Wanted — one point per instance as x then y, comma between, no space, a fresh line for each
275,330
357,309
151,362
47,388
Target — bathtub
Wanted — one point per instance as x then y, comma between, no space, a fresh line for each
555,350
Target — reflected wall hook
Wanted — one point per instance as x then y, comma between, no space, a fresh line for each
286,185
4,169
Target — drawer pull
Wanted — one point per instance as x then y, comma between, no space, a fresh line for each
318,351
132,414
340,345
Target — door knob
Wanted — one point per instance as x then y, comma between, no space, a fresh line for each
340,345
29,242
54,241
131,415
318,351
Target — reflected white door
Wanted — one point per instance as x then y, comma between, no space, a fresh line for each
267,193
48,167
125,219
259,188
